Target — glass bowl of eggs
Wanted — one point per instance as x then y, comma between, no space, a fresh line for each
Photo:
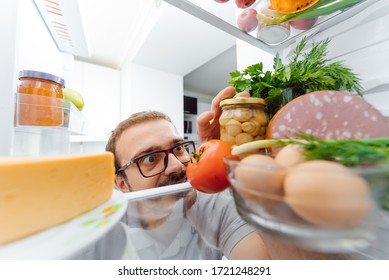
306,199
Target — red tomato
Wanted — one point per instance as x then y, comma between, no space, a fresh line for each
206,171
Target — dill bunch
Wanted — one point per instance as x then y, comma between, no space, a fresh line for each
348,152
312,71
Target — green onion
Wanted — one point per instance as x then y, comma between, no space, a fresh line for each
348,152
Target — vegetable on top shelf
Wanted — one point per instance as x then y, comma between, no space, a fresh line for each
287,10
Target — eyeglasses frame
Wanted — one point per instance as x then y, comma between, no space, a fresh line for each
166,151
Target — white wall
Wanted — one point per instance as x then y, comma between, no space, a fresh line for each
145,88
100,88
8,30
248,55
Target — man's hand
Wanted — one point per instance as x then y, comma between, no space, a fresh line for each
208,122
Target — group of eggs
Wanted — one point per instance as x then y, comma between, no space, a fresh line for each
323,193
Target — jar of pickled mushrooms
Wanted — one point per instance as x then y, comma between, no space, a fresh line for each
243,120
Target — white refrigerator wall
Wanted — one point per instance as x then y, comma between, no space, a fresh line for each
8,31
145,88
100,88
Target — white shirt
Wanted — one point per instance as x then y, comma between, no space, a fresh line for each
208,230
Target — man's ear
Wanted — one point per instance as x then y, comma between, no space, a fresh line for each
121,184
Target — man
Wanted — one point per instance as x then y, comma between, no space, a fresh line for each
149,152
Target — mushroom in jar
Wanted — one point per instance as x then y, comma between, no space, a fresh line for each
243,137
242,114
251,127
233,127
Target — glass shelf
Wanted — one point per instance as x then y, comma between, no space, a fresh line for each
43,125
34,112
223,16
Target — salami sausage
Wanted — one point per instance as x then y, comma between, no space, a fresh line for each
329,115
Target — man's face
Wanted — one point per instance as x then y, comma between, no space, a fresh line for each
142,139
137,141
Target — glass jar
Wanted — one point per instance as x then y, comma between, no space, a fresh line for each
273,34
40,99
243,120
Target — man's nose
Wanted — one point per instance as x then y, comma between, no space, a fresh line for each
173,164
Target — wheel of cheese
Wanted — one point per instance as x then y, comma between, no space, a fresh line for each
328,115
40,192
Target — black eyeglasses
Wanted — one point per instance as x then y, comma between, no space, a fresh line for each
155,163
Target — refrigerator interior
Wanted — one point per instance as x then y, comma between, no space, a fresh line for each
358,37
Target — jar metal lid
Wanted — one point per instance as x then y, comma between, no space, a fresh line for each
41,75
243,100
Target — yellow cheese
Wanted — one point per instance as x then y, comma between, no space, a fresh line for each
39,192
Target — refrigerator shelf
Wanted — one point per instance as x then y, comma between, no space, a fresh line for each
34,112
43,125
215,17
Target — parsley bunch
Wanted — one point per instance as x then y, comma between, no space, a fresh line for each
305,72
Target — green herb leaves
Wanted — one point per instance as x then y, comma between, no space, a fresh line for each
312,71
252,79
305,72
348,152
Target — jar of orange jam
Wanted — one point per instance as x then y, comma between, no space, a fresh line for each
40,99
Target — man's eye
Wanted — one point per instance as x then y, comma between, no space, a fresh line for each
151,159
179,149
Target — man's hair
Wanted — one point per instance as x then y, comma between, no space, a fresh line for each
134,119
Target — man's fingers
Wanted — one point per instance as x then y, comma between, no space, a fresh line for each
243,94
205,118
223,94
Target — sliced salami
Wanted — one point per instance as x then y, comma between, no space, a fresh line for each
329,115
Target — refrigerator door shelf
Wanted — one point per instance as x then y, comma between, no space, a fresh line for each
218,19
43,125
